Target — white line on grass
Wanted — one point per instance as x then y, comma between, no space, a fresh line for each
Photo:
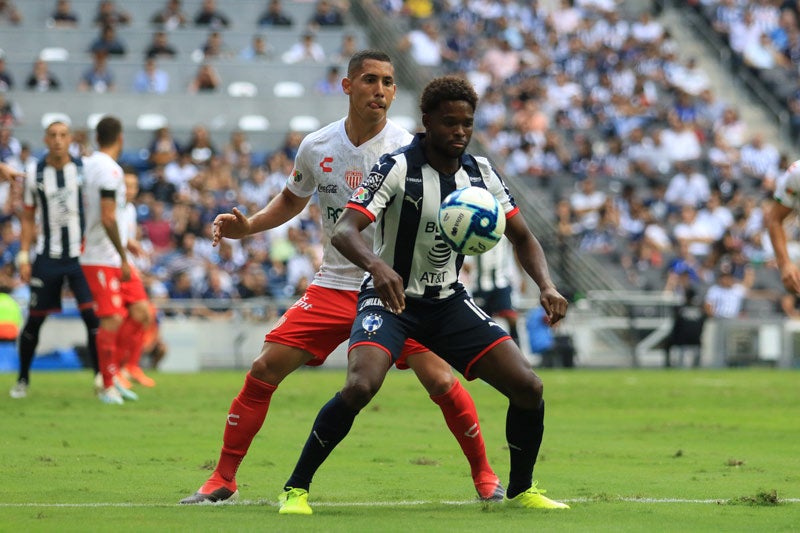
379,504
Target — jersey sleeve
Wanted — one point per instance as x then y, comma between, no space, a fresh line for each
787,187
496,186
110,178
378,188
302,181
29,188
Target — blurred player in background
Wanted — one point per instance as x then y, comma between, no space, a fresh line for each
786,201
332,162
105,261
52,195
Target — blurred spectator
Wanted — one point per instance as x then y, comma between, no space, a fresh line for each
159,188
214,47
326,14
81,145
425,45
163,148
41,79
158,229
307,50
221,293
200,146
108,14
151,79
160,47
24,159
63,16
108,42
258,49
170,17
732,128
347,48
586,202
759,162
688,186
98,77
696,233
274,15
6,79
9,145
10,113
10,13
238,150
209,15
330,84
687,330
725,298
205,81
179,172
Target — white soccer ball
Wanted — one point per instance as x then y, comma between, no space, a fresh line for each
471,220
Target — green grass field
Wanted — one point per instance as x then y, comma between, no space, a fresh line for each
645,450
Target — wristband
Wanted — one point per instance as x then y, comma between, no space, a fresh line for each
23,258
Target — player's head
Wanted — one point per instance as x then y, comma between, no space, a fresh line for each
57,138
448,110
108,131
370,85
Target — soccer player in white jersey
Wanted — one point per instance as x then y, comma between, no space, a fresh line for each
410,291
786,201
104,260
52,195
332,162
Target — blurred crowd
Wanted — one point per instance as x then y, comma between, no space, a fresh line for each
592,105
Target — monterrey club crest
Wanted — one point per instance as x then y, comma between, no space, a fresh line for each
353,178
371,323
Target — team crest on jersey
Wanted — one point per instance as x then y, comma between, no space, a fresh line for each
360,195
353,178
298,176
373,181
372,323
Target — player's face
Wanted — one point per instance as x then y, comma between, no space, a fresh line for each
371,89
57,138
449,128
131,187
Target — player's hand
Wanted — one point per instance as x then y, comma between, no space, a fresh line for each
790,277
25,273
233,225
9,173
126,271
554,305
389,286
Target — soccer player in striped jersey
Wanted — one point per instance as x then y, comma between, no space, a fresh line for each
410,290
52,194
786,201
332,162
117,289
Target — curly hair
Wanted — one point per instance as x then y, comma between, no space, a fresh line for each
447,89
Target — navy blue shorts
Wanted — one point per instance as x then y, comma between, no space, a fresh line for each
455,329
48,276
495,302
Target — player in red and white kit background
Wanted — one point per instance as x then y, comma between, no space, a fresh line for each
105,262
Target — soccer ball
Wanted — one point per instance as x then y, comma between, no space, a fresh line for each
471,220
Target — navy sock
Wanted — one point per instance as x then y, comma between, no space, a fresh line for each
332,425
28,340
524,431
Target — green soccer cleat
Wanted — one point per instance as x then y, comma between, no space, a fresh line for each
534,498
294,501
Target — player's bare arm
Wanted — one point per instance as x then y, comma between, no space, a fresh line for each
9,173
108,217
347,239
774,219
531,256
235,225
27,232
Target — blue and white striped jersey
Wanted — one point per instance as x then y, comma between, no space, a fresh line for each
57,197
402,195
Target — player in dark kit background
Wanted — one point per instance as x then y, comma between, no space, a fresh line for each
409,291
53,192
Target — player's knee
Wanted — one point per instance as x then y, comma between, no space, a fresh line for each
528,393
140,313
439,383
358,393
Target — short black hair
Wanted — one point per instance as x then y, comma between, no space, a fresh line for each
357,60
108,131
447,89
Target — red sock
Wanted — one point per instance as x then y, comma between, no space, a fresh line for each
462,419
130,339
106,341
245,418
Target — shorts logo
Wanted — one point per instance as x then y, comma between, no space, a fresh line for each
353,178
370,302
372,323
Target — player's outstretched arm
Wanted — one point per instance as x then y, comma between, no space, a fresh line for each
348,240
531,256
235,225
774,219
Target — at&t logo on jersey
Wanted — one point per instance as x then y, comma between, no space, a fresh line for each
371,323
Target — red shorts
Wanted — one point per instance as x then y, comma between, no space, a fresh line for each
111,295
320,321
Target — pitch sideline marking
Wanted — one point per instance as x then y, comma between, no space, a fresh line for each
376,504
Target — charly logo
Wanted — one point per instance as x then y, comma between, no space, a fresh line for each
372,323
